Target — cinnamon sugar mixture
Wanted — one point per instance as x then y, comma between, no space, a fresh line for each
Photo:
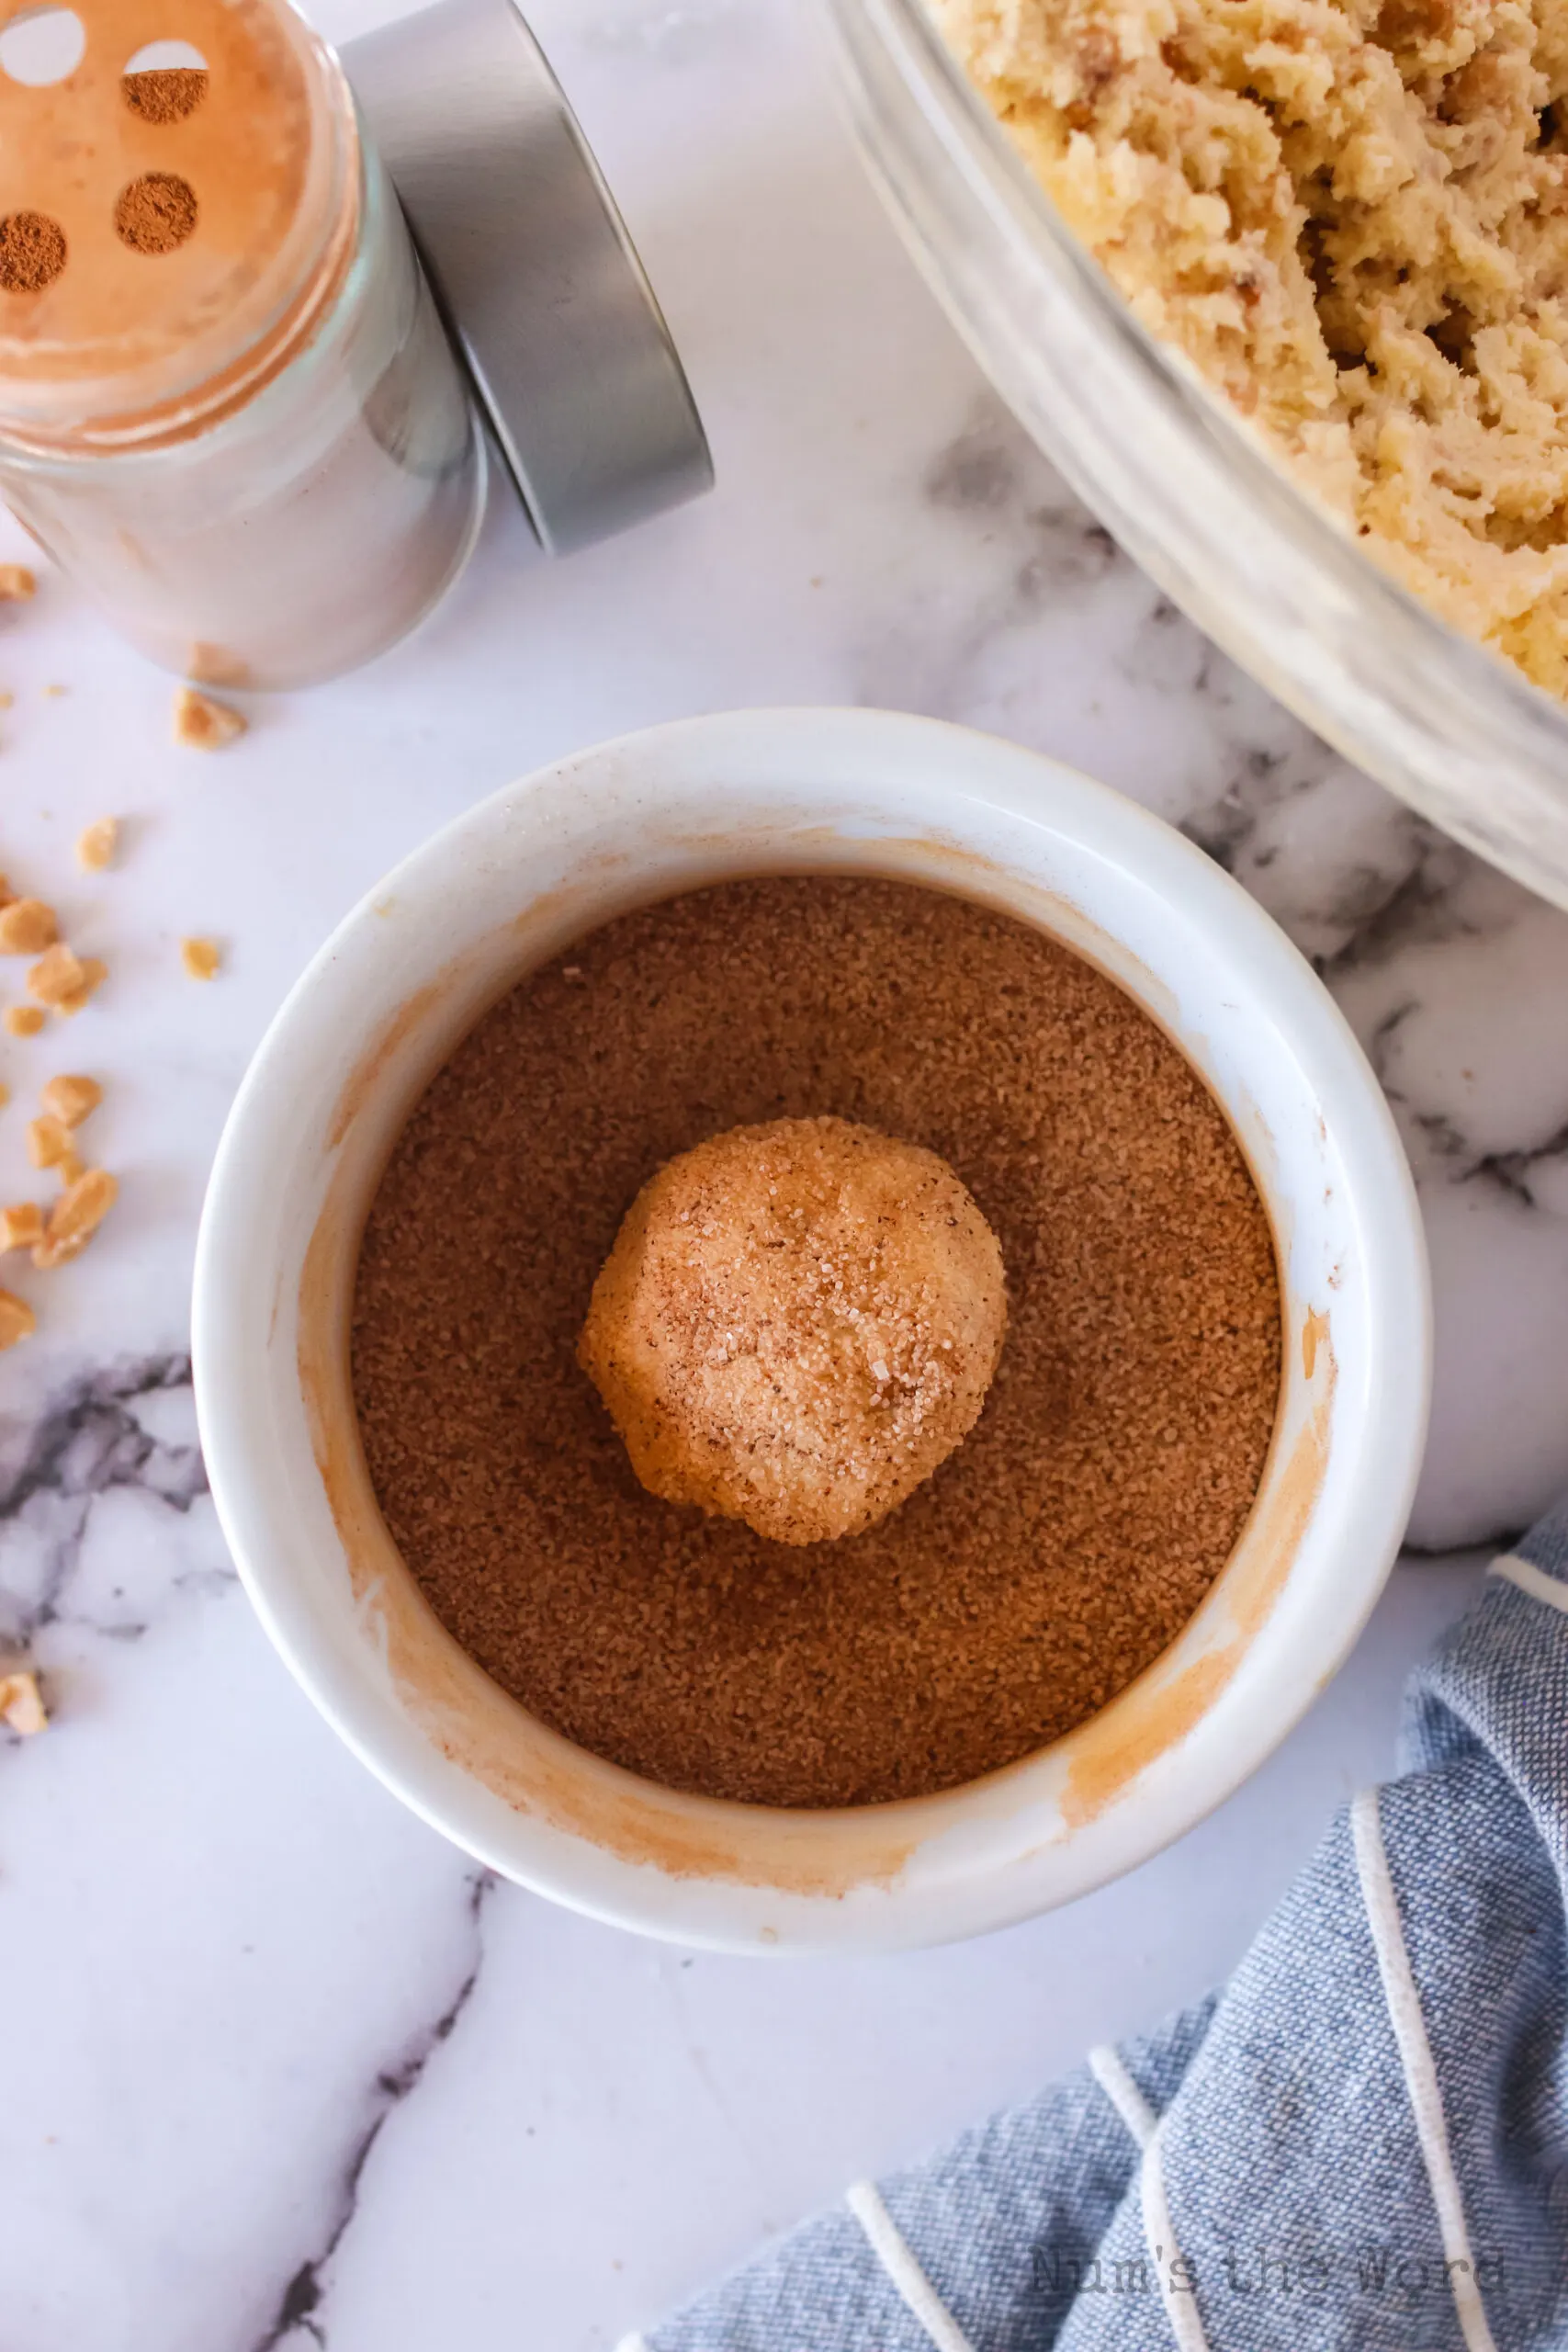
1043,1565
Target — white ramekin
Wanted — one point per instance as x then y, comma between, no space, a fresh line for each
382,1006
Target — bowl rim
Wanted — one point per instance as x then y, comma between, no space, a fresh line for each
825,746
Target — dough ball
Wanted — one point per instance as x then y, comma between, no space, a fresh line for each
797,1323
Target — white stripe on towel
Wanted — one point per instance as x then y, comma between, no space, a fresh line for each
1180,2307
1531,1579
1105,2066
632,2343
887,2242
1415,2056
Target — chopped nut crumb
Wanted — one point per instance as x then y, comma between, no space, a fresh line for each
94,972
52,690
55,976
21,1227
25,1020
76,1218
6,893
203,724
5,1094
17,1321
6,698
21,1702
17,583
71,1099
200,957
95,846
27,927
48,1141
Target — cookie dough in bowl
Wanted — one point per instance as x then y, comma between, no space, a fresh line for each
1278,286
1354,220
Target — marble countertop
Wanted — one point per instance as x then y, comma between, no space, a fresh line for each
281,2069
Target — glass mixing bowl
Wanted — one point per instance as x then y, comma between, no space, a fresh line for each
1186,487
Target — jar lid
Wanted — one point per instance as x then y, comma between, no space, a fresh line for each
530,261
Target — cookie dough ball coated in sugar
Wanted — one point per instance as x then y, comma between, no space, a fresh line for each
798,1322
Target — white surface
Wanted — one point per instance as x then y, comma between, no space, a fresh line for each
676,807
223,1950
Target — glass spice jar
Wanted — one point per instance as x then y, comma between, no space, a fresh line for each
227,407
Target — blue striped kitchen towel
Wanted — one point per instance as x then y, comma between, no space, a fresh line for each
1359,2145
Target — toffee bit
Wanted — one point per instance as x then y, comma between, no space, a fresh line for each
18,584
56,974
22,1710
25,1020
27,927
203,724
17,1321
48,1142
71,1099
94,971
201,958
76,1218
21,1227
97,844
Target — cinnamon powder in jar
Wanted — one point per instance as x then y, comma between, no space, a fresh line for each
1043,1565
155,213
164,93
